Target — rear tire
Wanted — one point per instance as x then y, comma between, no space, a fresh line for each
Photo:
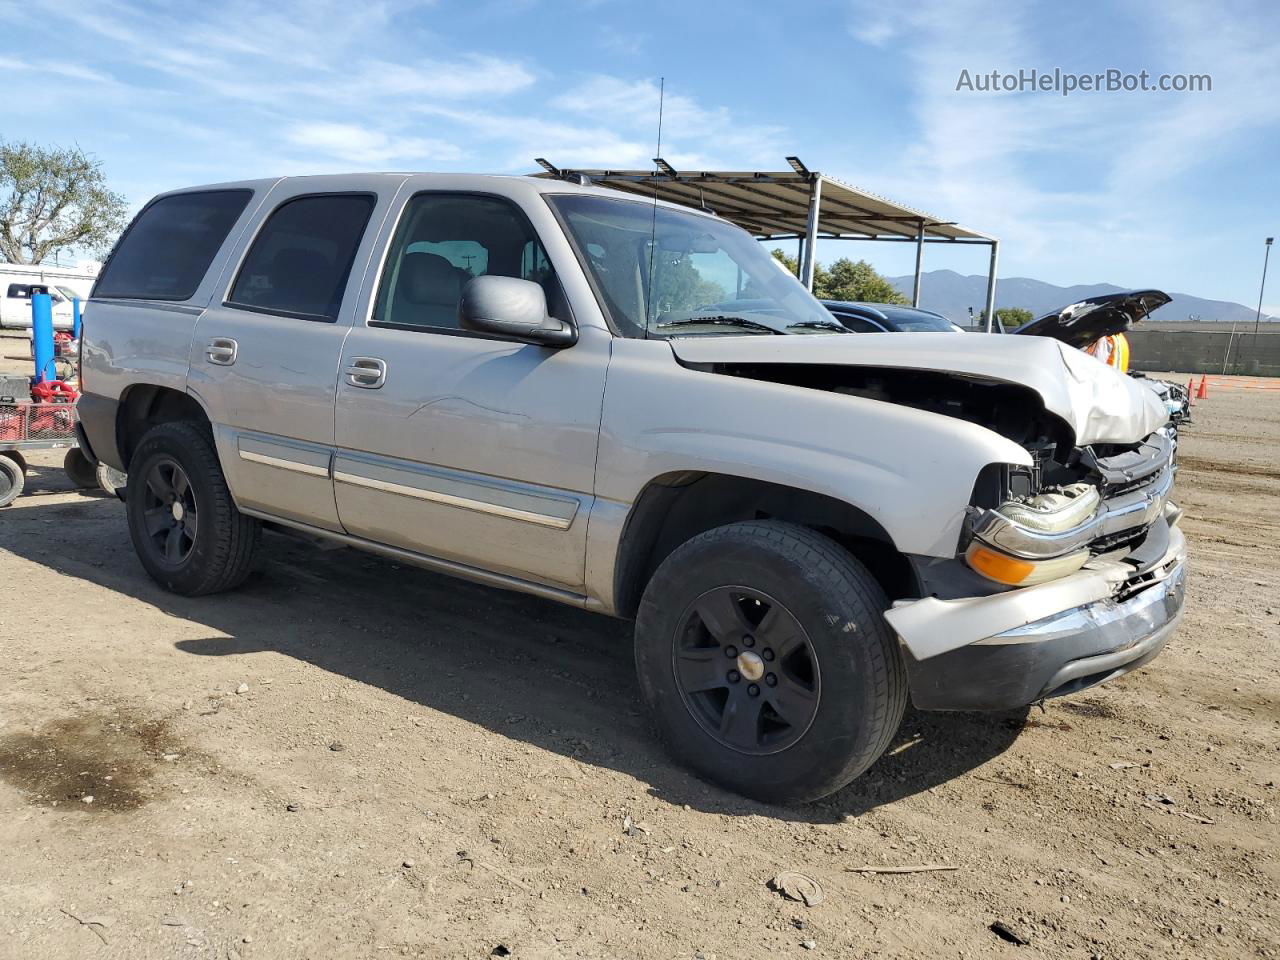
784,605
17,458
12,480
184,525
78,468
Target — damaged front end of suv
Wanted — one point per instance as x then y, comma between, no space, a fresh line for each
1091,537
1068,568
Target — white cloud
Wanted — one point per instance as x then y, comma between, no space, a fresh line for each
693,136
361,147
627,42
1069,184
472,75
873,27
71,71
233,88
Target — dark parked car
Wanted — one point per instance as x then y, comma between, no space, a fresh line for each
888,318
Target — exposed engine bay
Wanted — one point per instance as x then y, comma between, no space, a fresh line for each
1072,503
1014,411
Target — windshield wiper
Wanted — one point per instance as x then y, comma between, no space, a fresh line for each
819,325
726,320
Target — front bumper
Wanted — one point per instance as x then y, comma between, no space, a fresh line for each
1014,648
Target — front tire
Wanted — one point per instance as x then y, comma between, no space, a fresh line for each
184,525
763,652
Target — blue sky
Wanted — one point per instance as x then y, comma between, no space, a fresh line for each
1173,190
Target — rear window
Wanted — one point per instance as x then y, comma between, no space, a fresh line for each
299,262
168,248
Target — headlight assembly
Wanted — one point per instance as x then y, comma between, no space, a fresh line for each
1054,512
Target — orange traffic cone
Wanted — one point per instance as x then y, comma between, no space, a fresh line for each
1191,392
1203,392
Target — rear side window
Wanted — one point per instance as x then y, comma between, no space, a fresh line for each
168,248
299,263
18,291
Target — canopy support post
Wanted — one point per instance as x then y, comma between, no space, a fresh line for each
915,287
991,286
811,233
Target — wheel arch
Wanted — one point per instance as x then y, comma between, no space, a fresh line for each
676,506
143,406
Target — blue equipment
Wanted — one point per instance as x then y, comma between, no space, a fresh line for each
42,334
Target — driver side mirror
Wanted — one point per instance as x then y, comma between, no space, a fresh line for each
514,308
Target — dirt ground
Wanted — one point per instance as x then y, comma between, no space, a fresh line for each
352,758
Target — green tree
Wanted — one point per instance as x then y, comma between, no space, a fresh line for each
678,287
54,200
791,263
1010,317
847,280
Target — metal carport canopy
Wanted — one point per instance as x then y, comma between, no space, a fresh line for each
795,204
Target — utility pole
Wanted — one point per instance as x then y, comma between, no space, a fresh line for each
1258,318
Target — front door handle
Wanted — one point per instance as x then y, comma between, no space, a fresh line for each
367,372
222,351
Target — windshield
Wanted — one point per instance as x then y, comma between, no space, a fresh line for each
666,273
917,321
67,292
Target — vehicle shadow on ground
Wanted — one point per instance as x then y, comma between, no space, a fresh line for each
552,676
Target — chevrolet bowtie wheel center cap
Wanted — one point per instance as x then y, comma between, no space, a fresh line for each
750,665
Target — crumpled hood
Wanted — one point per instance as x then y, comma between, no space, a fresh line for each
1098,403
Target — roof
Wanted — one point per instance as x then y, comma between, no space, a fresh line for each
776,204
426,181
884,310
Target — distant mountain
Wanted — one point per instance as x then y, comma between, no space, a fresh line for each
952,294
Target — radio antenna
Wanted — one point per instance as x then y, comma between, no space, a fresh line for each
653,227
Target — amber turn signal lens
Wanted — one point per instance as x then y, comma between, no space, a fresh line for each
998,566
1016,572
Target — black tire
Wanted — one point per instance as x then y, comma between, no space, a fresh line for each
215,541
849,699
16,457
78,469
12,480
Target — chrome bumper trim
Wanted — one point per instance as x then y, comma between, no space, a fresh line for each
930,627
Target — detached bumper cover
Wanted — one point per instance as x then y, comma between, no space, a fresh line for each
1055,649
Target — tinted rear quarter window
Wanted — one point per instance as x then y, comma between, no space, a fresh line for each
300,260
168,248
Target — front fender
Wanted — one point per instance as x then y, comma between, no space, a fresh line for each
910,470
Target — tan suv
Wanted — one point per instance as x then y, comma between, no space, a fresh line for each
630,407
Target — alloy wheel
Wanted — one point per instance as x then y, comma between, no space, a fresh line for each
746,670
169,513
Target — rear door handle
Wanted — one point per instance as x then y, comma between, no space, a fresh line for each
367,372
222,351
